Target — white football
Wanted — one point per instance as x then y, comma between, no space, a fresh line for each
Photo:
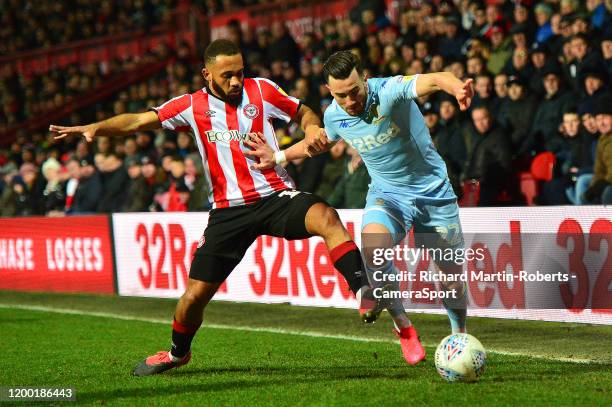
460,357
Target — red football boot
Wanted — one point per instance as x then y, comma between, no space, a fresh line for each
159,363
412,349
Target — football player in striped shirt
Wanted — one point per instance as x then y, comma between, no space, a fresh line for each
247,202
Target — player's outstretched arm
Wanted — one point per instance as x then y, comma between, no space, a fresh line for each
122,124
447,82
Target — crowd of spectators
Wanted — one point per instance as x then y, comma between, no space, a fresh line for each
35,24
541,73
41,175
29,96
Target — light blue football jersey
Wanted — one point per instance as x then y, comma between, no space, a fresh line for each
392,139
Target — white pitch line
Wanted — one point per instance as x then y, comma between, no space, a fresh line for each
278,331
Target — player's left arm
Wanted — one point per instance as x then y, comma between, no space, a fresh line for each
429,83
288,108
315,139
315,142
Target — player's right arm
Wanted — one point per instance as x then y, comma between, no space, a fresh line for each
122,124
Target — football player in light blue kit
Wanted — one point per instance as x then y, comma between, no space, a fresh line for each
410,187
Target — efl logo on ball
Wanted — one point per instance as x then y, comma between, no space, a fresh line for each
460,357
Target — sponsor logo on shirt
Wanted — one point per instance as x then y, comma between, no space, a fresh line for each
215,136
367,143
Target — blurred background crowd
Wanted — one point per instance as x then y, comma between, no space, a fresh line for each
539,130
29,25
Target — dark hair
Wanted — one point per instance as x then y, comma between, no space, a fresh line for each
220,47
483,75
481,106
603,104
571,110
340,65
582,37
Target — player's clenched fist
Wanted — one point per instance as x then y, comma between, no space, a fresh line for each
465,94
316,141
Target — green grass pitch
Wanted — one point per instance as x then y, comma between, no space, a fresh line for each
254,354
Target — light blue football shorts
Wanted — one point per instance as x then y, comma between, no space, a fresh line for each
435,218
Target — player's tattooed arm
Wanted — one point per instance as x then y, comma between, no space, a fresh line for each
123,124
447,82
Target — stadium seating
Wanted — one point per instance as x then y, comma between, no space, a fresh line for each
471,193
543,165
529,187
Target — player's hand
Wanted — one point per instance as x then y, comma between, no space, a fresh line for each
316,141
261,152
88,131
465,94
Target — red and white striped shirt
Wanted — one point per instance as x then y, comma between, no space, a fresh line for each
220,128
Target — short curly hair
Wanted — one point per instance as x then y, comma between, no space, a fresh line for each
220,47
